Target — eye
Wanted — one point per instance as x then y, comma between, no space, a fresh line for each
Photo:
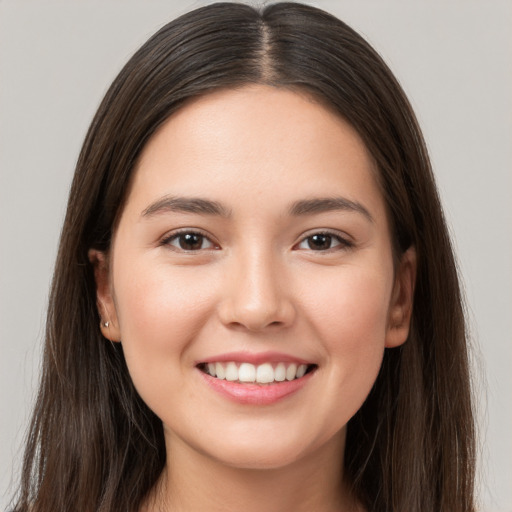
323,242
189,241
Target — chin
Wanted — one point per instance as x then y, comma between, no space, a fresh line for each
272,451
258,459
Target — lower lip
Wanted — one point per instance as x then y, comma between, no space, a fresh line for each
255,394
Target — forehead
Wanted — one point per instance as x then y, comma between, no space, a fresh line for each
263,143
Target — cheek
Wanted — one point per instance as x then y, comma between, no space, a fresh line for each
160,310
350,313
351,306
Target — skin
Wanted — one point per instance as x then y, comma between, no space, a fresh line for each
254,284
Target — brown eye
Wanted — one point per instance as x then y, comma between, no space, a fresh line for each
189,241
323,242
319,242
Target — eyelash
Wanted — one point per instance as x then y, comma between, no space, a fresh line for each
176,235
342,243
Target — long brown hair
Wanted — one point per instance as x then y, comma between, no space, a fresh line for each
93,444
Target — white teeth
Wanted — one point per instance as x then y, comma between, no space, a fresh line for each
301,370
262,374
231,372
219,371
265,373
247,372
280,372
291,372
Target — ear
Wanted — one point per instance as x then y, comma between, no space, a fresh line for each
400,309
109,324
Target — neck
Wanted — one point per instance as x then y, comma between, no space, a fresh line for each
193,481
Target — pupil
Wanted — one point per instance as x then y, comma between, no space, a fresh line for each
318,242
191,241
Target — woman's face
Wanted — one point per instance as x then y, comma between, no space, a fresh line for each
254,246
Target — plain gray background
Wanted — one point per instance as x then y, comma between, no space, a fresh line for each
453,58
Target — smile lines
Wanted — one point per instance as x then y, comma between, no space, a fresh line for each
264,373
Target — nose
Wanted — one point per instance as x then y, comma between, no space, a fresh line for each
257,294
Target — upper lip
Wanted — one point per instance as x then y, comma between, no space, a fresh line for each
254,358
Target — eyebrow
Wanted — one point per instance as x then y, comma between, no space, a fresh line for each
328,204
208,207
186,205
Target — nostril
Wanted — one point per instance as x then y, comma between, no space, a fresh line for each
254,326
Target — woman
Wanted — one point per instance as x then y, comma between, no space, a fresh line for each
255,302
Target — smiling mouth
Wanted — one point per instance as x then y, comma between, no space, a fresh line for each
264,374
